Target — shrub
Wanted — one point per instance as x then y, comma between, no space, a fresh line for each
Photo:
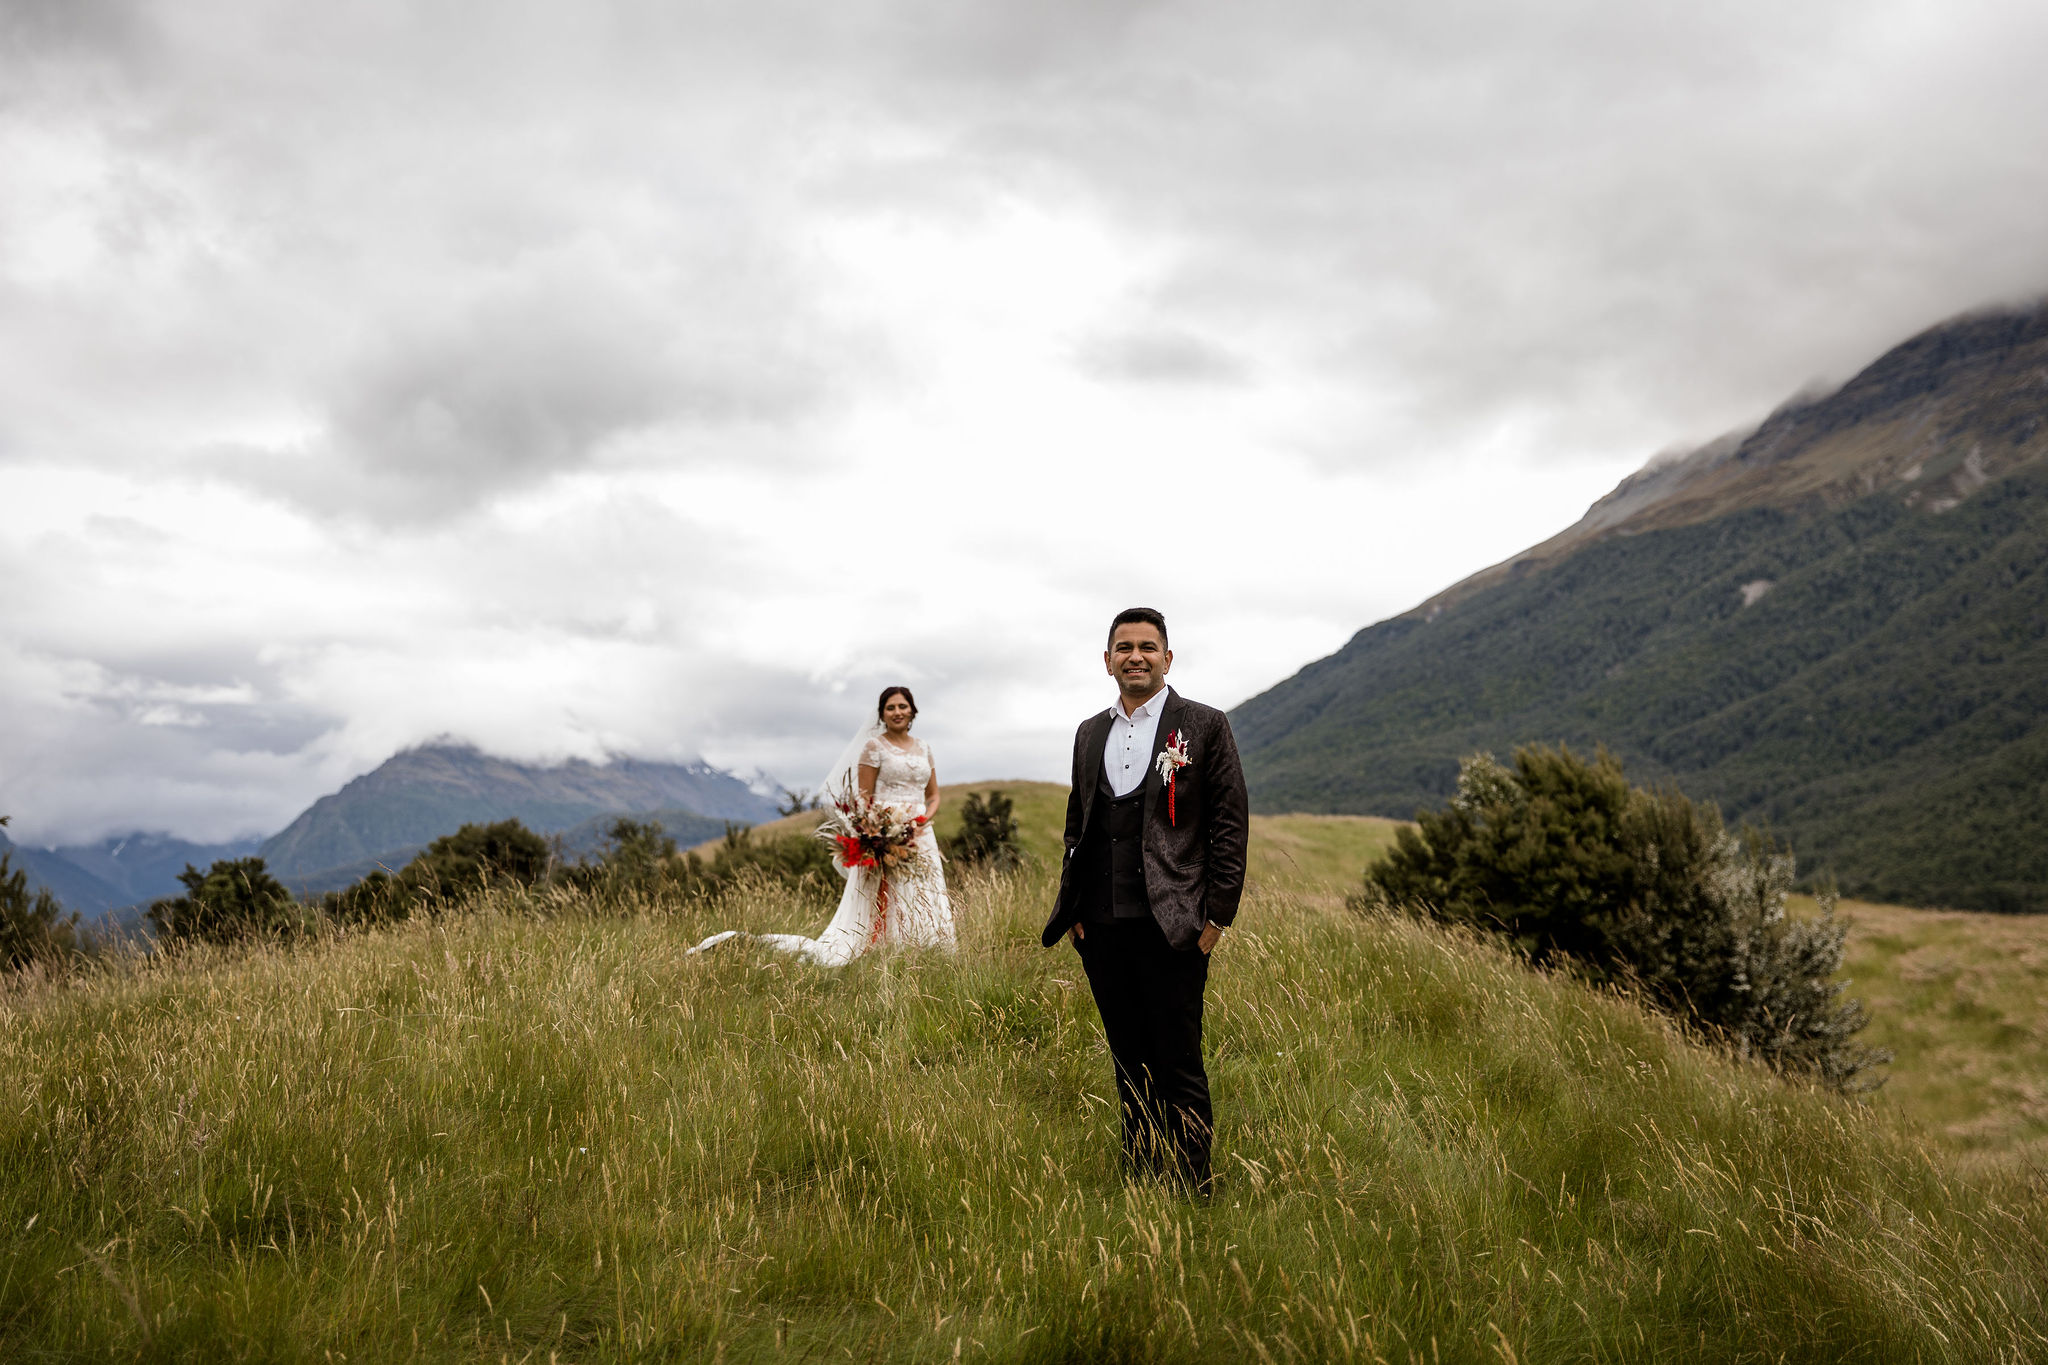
642,858
457,864
452,867
798,801
639,854
988,833
35,930
798,863
234,900
1563,856
379,897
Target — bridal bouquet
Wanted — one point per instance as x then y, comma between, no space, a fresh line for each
869,834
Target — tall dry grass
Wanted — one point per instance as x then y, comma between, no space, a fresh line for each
538,1131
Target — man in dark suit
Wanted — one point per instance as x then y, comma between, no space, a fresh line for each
1157,823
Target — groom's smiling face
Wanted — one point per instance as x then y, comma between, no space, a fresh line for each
1138,659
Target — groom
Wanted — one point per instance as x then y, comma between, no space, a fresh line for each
1154,867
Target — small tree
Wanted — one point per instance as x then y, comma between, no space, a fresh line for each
639,855
452,867
988,833
797,863
798,801
455,865
234,900
1565,858
377,898
35,929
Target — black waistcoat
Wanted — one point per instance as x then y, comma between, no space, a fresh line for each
1111,859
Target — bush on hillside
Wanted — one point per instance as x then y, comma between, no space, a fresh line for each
379,897
988,833
637,857
639,854
234,900
641,859
797,863
454,866
35,929
799,800
1564,857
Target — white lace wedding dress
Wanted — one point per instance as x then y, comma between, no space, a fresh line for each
903,910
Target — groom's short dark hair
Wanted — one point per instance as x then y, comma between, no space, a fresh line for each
1149,616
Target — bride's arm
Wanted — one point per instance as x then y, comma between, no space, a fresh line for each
866,775
931,790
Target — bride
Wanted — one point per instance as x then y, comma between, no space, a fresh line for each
886,766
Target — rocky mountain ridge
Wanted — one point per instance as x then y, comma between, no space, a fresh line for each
420,794
1933,419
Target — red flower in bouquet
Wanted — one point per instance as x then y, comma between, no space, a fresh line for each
851,854
868,834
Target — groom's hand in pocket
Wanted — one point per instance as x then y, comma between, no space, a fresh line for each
1212,934
1078,932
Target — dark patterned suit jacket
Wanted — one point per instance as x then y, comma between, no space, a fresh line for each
1194,864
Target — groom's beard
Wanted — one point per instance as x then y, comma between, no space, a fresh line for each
1133,700
1140,689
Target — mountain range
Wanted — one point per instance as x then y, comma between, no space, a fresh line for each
120,871
418,795
1835,624
387,815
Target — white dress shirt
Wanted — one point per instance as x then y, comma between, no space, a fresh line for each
1127,753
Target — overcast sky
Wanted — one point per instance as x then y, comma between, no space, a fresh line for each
662,378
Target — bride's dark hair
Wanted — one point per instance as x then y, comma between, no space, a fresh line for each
889,692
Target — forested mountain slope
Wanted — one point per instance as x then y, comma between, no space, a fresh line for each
1837,624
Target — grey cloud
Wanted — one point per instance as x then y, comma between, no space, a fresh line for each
523,387
1592,221
536,379
456,269
1164,356
1596,221
111,750
31,29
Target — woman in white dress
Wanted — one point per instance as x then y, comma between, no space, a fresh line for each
877,909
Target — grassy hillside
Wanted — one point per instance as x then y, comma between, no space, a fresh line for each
1960,998
1962,1001
1316,854
1303,852
542,1132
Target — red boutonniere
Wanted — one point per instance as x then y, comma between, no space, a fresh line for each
1172,759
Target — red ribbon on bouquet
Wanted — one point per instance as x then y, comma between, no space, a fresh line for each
881,913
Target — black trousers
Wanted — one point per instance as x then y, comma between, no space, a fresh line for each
1150,997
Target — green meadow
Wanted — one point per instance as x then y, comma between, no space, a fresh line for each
1961,999
537,1131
